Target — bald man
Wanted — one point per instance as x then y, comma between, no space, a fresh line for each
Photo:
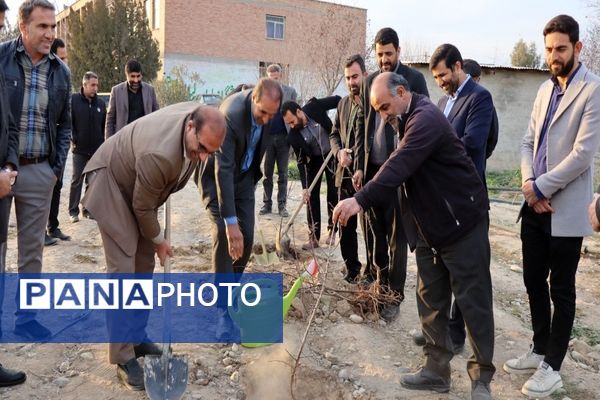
446,209
131,175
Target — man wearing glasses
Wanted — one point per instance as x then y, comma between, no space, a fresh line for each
131,175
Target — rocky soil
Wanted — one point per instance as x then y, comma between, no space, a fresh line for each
349,353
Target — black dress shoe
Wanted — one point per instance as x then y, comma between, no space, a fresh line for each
33,330
351,277
131,374
144,349
57,233
49,241
10,377
419,339
425,379
457,348
389,312
264,210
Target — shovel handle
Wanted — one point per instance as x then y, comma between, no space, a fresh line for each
167,278
287,226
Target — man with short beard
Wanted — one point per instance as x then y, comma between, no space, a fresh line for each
129,100
557,159
347,144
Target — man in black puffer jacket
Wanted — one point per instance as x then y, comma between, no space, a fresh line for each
88,114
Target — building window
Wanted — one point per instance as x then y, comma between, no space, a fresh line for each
275,27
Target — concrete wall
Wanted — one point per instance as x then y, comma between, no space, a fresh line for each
218,73
513,92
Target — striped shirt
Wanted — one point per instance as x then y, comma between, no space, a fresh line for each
34,138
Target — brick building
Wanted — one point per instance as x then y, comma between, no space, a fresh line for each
232,41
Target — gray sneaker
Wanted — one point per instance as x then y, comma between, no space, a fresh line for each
480,391
525,364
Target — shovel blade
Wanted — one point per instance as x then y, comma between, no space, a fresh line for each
165,380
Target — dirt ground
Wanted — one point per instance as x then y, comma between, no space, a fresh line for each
341,359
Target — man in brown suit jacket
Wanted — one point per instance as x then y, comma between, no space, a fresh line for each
129,100
131,175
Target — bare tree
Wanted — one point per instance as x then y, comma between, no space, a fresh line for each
9,32
590,53
339,34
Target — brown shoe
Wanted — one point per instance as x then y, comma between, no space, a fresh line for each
311,244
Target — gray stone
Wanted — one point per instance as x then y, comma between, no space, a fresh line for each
235,347
87,355
594,355
382,323
63,367
357,319
344,374
228,361
299,307
334,316
581,347
577,356
331,358
61,381
229,369
200,374
343,308
196,395
235,377
318,321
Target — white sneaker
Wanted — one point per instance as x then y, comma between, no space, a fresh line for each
543,383
525,364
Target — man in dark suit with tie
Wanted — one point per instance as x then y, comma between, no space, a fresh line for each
229,177
347,144
383,225
470,110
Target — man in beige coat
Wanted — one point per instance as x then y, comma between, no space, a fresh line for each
557,159
131,175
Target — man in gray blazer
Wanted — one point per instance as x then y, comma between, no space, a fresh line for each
557,156
129,100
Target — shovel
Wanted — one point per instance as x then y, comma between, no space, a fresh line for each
266,258
165,376
282,241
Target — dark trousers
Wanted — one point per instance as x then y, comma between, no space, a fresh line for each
314,210
543,255
278,151
462,269
55,203
386,243
79,162
456,324
244,208
348,237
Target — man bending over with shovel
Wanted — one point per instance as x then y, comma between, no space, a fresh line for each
131,175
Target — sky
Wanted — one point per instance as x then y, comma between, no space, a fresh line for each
485,30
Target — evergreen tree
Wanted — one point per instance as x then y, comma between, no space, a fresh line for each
524,55
102,39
